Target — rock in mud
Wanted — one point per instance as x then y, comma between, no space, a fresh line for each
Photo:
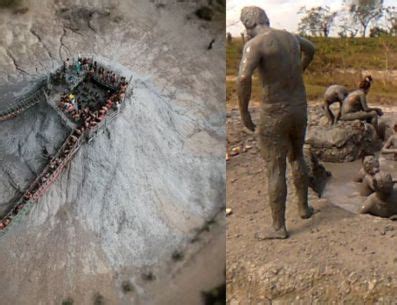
344,142
318,175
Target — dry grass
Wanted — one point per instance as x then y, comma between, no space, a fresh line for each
337,61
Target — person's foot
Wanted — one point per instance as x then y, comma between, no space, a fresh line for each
307,213
272,234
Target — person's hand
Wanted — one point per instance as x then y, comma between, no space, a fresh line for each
247,121
379,111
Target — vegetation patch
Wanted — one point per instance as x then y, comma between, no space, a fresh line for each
127,286
68,301
9,3
337,61
216,296
99,299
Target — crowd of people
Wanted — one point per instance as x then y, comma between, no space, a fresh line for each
89,67
87,108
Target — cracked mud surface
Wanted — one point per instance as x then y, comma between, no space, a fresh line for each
139,191
336,257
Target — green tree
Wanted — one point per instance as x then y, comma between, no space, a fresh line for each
391,20
347,28
365,12
316,21
378,32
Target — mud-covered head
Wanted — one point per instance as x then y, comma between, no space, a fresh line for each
365,84
383,183
371,165
253,17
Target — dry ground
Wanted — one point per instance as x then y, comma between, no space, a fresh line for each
334,258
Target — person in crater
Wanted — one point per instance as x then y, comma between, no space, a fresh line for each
281,58
383,202
334,94
370,167
390,146
355,106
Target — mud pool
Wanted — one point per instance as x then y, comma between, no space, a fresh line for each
342,191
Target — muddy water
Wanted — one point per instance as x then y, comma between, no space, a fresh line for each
342,191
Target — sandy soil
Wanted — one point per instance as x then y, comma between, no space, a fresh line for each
337,257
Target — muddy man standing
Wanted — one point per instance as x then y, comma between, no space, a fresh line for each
281,58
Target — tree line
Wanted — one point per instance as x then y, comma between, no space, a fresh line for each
356,17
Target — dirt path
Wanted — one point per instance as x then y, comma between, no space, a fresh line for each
336,257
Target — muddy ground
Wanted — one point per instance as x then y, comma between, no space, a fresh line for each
337,257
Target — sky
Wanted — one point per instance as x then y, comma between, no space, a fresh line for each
282,13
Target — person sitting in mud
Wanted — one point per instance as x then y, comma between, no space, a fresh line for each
355,106
383,202
334,94
390,146
370,167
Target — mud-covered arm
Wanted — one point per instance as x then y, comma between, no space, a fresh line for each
367,206
387,147
308,49
365,107
360,176
370,181
249,61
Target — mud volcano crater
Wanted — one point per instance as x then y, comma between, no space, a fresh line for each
87,96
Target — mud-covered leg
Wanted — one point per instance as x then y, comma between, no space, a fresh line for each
372,116
338,115
299,171
328,113
374,122
277,190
